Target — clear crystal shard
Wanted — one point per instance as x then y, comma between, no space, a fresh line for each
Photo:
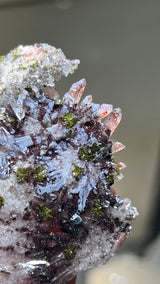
104,110
117,146
87,100
113,120
74,95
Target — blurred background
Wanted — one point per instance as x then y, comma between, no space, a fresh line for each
118,43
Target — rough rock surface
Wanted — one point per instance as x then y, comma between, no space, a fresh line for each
59,213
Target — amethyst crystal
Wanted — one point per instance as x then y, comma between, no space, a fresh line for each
59,213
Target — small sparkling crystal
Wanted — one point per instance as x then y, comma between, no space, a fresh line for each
59,211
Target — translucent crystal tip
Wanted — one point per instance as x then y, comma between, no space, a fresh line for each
113,120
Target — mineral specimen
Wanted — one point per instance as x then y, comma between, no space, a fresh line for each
59,213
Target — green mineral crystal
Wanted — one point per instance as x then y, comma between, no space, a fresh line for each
21,174
69,119
1,201
85,154
77,171
110,179
39,174
45,213
97,208
70,251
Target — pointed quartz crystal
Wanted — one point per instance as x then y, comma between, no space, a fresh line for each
104,110
113,120
121,165
117,146
87,100
74,95
119,177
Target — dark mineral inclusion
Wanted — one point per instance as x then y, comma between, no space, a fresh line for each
59,213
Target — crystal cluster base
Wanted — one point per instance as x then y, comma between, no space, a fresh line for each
59,213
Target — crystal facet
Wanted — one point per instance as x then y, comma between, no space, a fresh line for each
117,146
104,110
74,95
113,120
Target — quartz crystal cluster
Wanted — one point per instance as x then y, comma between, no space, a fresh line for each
59,213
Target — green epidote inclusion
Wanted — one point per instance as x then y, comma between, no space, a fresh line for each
2,58
58,103
70,251
77,171
39,174
12,119
69,119
22,174
5,272
17,92
45,213
34,65
112,159
71,133
110,179
85,154
96,147
51,234
88,153
1,201
97,208
15,53
21,66
117,171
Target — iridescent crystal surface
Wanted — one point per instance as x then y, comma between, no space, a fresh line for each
59,213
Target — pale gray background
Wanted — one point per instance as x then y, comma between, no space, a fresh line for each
118,43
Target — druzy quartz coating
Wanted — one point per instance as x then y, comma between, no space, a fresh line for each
59,213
